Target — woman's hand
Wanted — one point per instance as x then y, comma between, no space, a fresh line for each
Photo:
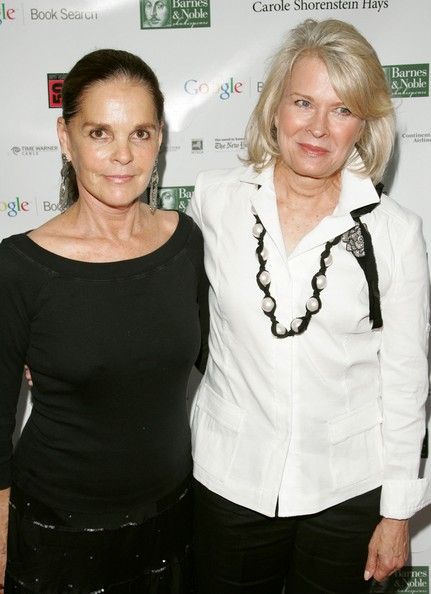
4,516
388,549
28,377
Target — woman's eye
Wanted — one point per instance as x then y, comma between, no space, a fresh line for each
302,103
142,134
98,133
344,111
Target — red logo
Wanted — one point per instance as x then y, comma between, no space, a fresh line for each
55,86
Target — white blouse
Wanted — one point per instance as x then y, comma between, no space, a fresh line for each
318,418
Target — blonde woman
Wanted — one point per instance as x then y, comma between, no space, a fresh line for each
308,424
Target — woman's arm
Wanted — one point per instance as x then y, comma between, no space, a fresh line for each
388,549
404,373
404,376
4,515
18,293
204,318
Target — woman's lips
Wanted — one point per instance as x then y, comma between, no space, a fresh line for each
119,179
311,149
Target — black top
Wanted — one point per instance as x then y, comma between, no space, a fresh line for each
110,347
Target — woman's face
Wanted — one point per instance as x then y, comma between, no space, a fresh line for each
315,131
112,141
156,12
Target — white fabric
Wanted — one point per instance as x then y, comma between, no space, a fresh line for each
318,418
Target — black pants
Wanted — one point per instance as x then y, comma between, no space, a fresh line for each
239,551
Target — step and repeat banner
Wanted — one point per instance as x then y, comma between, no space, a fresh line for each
211,57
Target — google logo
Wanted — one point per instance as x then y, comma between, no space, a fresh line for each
224,90
13,207
6,14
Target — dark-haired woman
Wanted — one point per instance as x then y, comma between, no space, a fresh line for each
99,481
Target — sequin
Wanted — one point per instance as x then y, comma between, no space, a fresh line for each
147,556
158,570
47,526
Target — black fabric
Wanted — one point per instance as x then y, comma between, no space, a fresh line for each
369,266
110,346
239,551
368,262
149,558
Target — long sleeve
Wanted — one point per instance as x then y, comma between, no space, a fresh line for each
17,291
404,373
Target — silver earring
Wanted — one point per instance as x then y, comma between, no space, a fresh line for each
65,183
154,189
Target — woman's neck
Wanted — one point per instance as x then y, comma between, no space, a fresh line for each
298,191
92,218
302,202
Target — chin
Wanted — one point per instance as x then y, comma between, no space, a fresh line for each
314,170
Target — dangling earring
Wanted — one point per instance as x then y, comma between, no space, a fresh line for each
65,182
154,188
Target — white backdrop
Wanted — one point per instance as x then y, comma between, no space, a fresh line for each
210,56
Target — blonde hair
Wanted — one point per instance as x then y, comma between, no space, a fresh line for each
358,79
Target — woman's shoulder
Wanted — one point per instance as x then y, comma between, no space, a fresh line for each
20,269
221,177
13,249
191,229
396,215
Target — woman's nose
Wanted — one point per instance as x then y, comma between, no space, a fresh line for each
122,153
318,125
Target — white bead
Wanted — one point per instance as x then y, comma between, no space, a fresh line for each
321,281
280,329
253,210
328,260
268,304
265,278
264,253
257,230
295,324
312,304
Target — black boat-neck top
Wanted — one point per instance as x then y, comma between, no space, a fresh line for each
110,346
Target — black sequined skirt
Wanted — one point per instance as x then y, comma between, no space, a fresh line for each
151,557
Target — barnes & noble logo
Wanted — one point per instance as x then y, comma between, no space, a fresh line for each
175,197
55,86
174,14
408,80
408,580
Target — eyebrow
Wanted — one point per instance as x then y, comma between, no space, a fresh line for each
300,94
150,125
305,96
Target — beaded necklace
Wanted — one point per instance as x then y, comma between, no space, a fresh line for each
358,242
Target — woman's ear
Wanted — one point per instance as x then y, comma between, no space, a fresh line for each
63,137
162,126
